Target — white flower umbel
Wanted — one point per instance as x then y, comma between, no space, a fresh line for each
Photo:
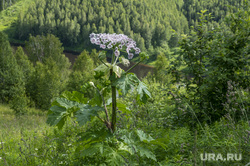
117,41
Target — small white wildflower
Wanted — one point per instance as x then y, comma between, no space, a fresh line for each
128,49
36,149
92,40
137,50
0,158
92,35
117,53
109,45
103,46
130,55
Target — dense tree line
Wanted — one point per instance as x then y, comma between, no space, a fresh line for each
36,79
6,3
218,9
148,22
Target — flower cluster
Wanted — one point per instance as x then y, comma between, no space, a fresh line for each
117,41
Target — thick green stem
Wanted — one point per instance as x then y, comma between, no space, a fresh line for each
104,63
113,89
133,67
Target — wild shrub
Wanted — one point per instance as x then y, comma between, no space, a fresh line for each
212,58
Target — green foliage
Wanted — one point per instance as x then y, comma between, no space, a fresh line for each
72,22
51,69
113,149
24,63
19,103
9,11
160,73
209,83
131,147
213,58
12,81
5,3
218,8
82,72
28,70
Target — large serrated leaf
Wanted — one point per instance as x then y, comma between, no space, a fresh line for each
61,109
146,152
143,92
123,147
114,158
125,82
74,96
143,136
63,102
160,142
57,116
86,113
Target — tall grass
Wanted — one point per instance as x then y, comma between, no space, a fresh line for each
27,140
14,130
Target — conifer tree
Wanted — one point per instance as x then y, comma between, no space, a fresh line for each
82,72
12,81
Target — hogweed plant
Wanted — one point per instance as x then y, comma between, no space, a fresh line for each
119,79
110,80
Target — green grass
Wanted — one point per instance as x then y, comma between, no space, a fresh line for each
14,131
28,141
10,14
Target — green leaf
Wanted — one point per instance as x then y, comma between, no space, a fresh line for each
63,102
86,113
123,147
118,71
92,150
74,96
109,101
114,158
95,136
57,116
126,81
143,136
146,152
96,100
123,108
143,92
102,55
103,68
160,142
63,108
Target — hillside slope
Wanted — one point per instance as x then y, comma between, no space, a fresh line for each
148,22
9,16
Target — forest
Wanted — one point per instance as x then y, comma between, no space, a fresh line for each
154,83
